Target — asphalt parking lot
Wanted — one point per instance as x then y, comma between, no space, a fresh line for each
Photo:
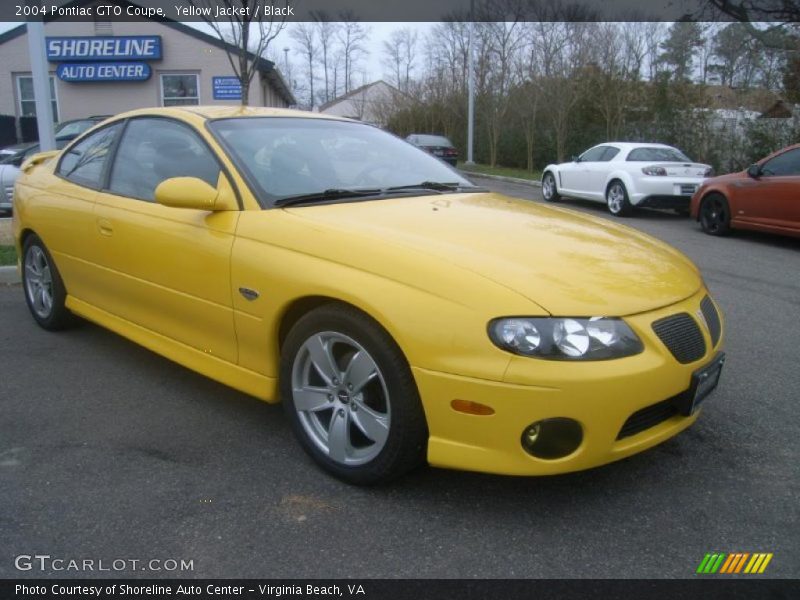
108,451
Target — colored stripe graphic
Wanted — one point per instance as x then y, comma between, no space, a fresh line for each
726,568
741,562
765,563
733,563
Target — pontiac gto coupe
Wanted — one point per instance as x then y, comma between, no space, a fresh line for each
401,313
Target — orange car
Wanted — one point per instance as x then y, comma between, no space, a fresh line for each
765,197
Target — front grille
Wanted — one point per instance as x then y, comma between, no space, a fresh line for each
712,319
648,417
682,337
10,193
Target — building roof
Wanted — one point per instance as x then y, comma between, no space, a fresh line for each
265,66
354,92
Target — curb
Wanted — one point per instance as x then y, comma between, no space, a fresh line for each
530,182
9,276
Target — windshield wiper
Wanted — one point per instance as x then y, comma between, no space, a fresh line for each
436,186
329,194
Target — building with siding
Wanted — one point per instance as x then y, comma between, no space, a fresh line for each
105,67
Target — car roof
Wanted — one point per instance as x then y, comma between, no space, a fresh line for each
631,145
226,112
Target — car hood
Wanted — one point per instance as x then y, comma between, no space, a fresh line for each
727,177
566,262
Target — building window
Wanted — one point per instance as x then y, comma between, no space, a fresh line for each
179,90
27,102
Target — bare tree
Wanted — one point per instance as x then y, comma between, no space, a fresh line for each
326,31
400,55
304,35
352,35
249,33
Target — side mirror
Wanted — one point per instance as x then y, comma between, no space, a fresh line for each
188,192
754,171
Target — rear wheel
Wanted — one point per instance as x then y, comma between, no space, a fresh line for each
617,199
350,396
715,215
549,189
45,294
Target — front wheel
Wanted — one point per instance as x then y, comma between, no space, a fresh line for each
549,189
715,215
617,199
350,396
45,294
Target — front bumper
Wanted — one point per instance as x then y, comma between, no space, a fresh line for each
600,395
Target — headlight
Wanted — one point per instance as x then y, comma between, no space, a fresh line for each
565,338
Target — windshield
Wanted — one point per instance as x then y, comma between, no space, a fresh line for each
283,157
657,154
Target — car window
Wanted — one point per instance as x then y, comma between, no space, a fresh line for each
610,152
432,140
152,150
787,163
84,162
657,154
74,128
593,154
289,156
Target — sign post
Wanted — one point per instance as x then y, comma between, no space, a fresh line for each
41,85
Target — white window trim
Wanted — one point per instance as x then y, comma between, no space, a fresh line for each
161,85
19,78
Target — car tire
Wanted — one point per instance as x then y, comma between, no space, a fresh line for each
715,215
617,199
350,397
549,188
44,289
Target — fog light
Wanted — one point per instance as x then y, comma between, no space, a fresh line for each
530,435
552,438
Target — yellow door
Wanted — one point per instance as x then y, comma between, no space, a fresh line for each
166,269
64,212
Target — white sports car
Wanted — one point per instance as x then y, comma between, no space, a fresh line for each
625,175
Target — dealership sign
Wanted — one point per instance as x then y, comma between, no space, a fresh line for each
226,88
139,47
108,71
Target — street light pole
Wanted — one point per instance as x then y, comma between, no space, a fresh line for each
41,85
471,86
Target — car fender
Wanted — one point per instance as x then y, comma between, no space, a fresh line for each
625,177
554,169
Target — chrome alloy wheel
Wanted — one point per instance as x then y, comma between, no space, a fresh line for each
616,198
548,186
341,398
38,282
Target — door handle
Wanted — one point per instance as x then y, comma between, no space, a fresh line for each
105,227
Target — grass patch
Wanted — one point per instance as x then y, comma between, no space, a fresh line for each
504,171
8,255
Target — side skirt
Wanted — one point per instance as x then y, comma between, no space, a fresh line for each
244,380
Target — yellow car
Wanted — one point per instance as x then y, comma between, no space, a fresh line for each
400,312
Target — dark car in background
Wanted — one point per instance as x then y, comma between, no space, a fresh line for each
765,197
438,145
